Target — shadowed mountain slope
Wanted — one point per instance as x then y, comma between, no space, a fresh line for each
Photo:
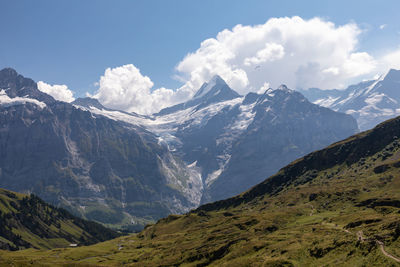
26,221
101,169
233,142
338,206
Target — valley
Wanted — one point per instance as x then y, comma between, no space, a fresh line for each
335,206
127,170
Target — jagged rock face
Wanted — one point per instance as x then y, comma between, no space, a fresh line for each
117,167
87,102
285,127
236,142
103,169
212,92
17,85
370,102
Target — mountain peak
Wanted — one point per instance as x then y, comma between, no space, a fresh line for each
387,84
392,74
216,80
370,102
283,87
88,102
8,72
216,90
17,85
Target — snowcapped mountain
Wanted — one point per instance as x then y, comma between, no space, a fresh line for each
20,89
123,168
102,169
234,142
370,102
216,90
268,131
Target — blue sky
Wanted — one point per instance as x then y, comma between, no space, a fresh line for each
73,42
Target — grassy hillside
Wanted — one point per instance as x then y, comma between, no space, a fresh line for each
339,206
28,222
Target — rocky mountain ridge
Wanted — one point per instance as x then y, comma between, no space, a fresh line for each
370,102
336,206
101,169
235,142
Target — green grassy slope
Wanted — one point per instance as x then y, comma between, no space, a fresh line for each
28,222
339,206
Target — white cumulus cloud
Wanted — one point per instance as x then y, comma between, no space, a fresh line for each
270,52
59,92
293,51
300,53
391,60
125,88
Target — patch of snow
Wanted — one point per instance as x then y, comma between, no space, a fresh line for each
192,164
200,117
245,117
115,115
350,97
374,85
187,178
212,176
80,107
223,160
374,98
5,100
91,186
270,92
351,111
326,102
165,126
216,93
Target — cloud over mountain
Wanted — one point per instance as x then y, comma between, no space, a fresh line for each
391,60
298,52
59,92
125,88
